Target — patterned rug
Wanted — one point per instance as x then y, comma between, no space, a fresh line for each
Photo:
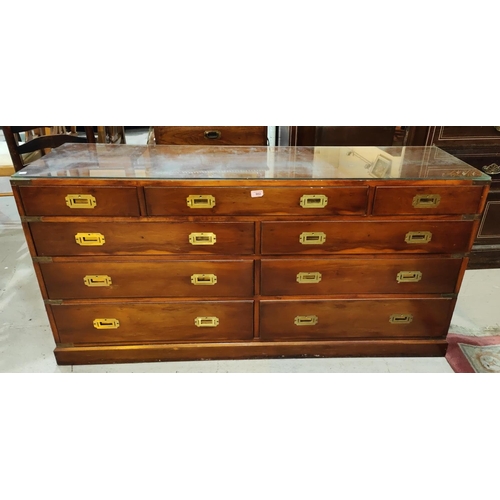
474,353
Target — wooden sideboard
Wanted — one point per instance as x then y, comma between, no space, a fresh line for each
195,252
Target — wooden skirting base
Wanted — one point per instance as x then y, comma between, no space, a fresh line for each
248,350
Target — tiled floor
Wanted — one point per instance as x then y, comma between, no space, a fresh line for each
26,342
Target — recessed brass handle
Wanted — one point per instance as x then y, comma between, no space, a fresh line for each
97,280
400,319
314,201
106,323
80,201
206,321
90,239
202,239
426,200
212,134
317,238
408,276
308,277
418,237
306,320
203,279
200,201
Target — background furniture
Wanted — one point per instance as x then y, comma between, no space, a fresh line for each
480,147
28,143
216,136
290,252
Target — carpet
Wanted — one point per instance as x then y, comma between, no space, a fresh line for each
473,354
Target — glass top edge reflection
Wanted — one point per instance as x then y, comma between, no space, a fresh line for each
94,161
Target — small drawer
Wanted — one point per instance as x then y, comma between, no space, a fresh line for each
155,322
427,200
104,279
345,319
142,238
80,200
423,237
256,200
353,275
212,135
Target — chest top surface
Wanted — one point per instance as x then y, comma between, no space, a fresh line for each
87,161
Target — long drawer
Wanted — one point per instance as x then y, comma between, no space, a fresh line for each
155,322
80,200
343,319
415,236
104,279
256,200
142,238
353,275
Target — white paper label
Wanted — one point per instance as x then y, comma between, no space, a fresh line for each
257,193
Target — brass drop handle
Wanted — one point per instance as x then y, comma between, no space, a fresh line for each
206,321
400,319
80,201
106,323
93,280
203,279
310,320
90,239
212,134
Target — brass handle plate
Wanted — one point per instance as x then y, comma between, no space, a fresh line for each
400,319
317,238
200,201
97,280
80,201
408,276
212,134
90,239
308,277
492,169
106,323
306,320
203,279
206,321
418,237
426,200
314,201
202,239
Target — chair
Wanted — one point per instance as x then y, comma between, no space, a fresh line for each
38,141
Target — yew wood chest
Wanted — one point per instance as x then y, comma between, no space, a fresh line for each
196,252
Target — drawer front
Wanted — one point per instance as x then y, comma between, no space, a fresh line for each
256,200
489,229
158,322
343,319
343,276
80,200
427,200
142,238
101,279
366,237
211,135
457,135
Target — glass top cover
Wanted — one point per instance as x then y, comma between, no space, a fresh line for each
248,162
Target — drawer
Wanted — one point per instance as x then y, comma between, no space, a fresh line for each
427,200
256,200
104,279
489,229
343,276
366,237
80,200
155,322
142,238
211,135
459,135
344,319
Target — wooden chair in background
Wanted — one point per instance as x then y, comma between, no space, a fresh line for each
26,144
